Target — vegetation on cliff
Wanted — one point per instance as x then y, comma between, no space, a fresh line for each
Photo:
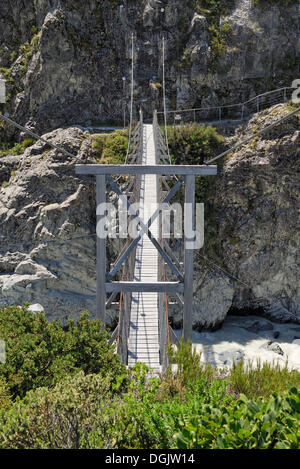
110,148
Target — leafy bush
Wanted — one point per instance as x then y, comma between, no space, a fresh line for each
219,35
110,148
28,142
191,408
81,412
4,394
27,50
17,148
100,412
41,353
219,39
59,418
267,3
194,144
246,424
189,367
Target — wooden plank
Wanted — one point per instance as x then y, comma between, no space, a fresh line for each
188,263
101,253
97,169
130,287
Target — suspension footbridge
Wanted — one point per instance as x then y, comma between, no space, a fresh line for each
149,277
151,273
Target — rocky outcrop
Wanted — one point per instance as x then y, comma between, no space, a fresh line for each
213,294
45,203
257,196
64,60
8,165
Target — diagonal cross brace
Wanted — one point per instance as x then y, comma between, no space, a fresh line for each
145,230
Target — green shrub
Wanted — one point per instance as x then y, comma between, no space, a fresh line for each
97,412
17,148
27,50
219,40
267,3
28,142
262,379
4,394
245,424
189,369
41,353
128,409
57,418
81,412
6,149
110,148
6,73
219,35
193,144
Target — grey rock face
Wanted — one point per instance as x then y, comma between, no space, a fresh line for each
8,164
278,313
45,201
73,69
258,198
213,295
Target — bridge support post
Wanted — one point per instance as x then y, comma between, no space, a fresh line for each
188,261
101,252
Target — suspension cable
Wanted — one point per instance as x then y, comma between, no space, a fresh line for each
131,95
260,132
164,100
37,137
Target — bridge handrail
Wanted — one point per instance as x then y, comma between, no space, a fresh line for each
256,134
134,156
162,157
256,99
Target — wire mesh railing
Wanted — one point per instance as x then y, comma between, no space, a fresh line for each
162,157
132,191
238,112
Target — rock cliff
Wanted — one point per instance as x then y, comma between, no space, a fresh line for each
43,200
64,60
257,202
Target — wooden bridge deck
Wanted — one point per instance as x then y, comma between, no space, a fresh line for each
143,342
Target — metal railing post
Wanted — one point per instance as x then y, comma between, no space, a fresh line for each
101,252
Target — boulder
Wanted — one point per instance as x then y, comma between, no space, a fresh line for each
36,308
273,347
